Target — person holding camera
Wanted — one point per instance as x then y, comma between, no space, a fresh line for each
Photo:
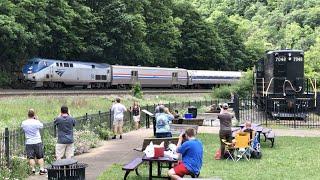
163,119
65,124
225,127
192,154
118,110
34,146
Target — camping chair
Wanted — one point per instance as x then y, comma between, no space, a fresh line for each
229,149
242,146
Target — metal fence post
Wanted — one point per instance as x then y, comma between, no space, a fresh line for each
110,119
236,107
6,145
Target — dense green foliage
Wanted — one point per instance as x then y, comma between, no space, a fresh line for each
243,87
194,34
291,158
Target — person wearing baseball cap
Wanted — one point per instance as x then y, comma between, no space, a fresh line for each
225,127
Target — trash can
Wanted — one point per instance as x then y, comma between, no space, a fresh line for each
67,169
193,111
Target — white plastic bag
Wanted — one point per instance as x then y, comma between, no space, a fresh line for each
149,151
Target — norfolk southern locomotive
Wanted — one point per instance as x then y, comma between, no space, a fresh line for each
50,73
280,87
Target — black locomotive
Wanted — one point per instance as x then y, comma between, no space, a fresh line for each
280,87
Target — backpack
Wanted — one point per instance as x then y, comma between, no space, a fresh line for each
255,147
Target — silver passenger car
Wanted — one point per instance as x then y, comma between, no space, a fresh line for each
204,78
123,76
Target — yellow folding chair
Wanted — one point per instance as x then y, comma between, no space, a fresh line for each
242,146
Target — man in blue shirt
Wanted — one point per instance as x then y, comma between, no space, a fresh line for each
163,119
65,124
192,154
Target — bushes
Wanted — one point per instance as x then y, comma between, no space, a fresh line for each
103,132
137,91
85,140
243,87
19,169
5,79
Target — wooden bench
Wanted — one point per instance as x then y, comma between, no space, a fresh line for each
133,165
268,135
177,129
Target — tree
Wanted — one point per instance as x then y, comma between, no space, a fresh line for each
201,47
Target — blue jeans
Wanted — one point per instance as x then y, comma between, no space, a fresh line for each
163,135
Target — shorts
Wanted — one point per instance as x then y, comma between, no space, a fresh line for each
118,122
34,151
181,169
64,149
136,118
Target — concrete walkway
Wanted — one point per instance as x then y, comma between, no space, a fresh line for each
111,152
121,151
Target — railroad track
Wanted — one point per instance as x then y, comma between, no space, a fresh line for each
8,93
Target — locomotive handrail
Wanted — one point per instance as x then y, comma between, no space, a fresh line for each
269,85
315,90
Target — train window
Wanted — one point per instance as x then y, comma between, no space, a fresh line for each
61,65
108,72
93,66
36,62
57,64
98,77
104,77
66,64
134,73
174,74
71,65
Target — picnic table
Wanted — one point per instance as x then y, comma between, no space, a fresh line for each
191,121
159,161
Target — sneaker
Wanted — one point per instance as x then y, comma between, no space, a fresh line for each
114,137
42,172
120,136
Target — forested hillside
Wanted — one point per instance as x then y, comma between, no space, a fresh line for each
193,34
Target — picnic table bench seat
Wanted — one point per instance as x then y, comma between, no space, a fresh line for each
268,135
133,165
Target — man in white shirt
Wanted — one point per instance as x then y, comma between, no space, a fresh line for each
34,146
118,110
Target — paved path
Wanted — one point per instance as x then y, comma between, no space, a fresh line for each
112,151
121,151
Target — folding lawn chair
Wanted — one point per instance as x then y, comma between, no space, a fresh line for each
242,146
229,149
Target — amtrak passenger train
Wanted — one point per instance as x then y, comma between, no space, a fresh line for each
50,73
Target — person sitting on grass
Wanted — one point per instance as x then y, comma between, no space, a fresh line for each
192,154
163,119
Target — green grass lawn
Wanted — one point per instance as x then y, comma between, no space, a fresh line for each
291,158
14,109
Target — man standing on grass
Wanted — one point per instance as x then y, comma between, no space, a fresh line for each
65,124
225,127
118,110
192,154
34,146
